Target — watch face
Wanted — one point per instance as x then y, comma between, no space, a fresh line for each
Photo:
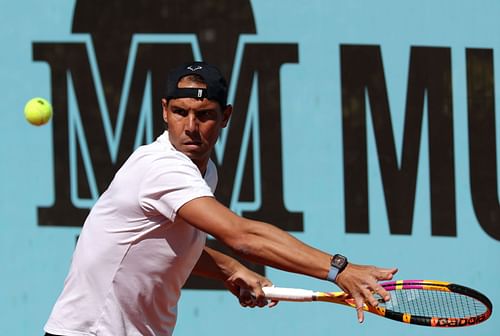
339,261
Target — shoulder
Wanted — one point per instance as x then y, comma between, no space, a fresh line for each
161,153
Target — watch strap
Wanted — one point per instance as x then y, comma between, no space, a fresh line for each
332,274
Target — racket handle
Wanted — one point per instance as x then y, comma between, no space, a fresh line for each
288,294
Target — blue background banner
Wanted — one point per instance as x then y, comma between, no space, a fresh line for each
331,66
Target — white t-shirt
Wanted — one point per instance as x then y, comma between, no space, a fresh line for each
133,256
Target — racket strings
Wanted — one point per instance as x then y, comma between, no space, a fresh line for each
434,303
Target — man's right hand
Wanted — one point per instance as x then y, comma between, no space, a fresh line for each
361,282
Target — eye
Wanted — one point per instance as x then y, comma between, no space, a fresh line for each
206,115
180,111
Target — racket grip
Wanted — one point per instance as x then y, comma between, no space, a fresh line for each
288,294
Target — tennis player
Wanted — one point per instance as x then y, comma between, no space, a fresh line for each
146,233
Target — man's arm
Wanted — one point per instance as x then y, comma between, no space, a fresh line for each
237,278
266,244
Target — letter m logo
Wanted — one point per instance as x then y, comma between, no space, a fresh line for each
102,116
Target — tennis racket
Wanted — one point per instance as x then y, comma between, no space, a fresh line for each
422,302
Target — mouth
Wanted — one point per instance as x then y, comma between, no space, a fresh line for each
192,143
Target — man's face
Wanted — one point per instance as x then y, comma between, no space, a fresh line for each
194,124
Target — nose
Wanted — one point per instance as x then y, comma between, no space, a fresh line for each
191,123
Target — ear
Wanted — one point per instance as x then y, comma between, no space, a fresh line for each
164,105
226,114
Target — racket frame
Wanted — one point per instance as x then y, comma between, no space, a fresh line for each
303,295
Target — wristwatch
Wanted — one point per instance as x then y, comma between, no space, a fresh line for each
339,263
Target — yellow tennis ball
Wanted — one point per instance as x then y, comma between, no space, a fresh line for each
38,111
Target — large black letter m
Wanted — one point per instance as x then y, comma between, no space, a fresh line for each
429,80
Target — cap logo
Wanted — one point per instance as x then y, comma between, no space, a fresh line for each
194,68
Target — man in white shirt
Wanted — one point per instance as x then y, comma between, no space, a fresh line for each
146,233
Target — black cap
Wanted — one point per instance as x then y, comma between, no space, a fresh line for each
216,84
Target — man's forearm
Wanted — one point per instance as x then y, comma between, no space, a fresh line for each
266,244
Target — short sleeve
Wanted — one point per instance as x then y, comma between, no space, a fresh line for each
170,183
